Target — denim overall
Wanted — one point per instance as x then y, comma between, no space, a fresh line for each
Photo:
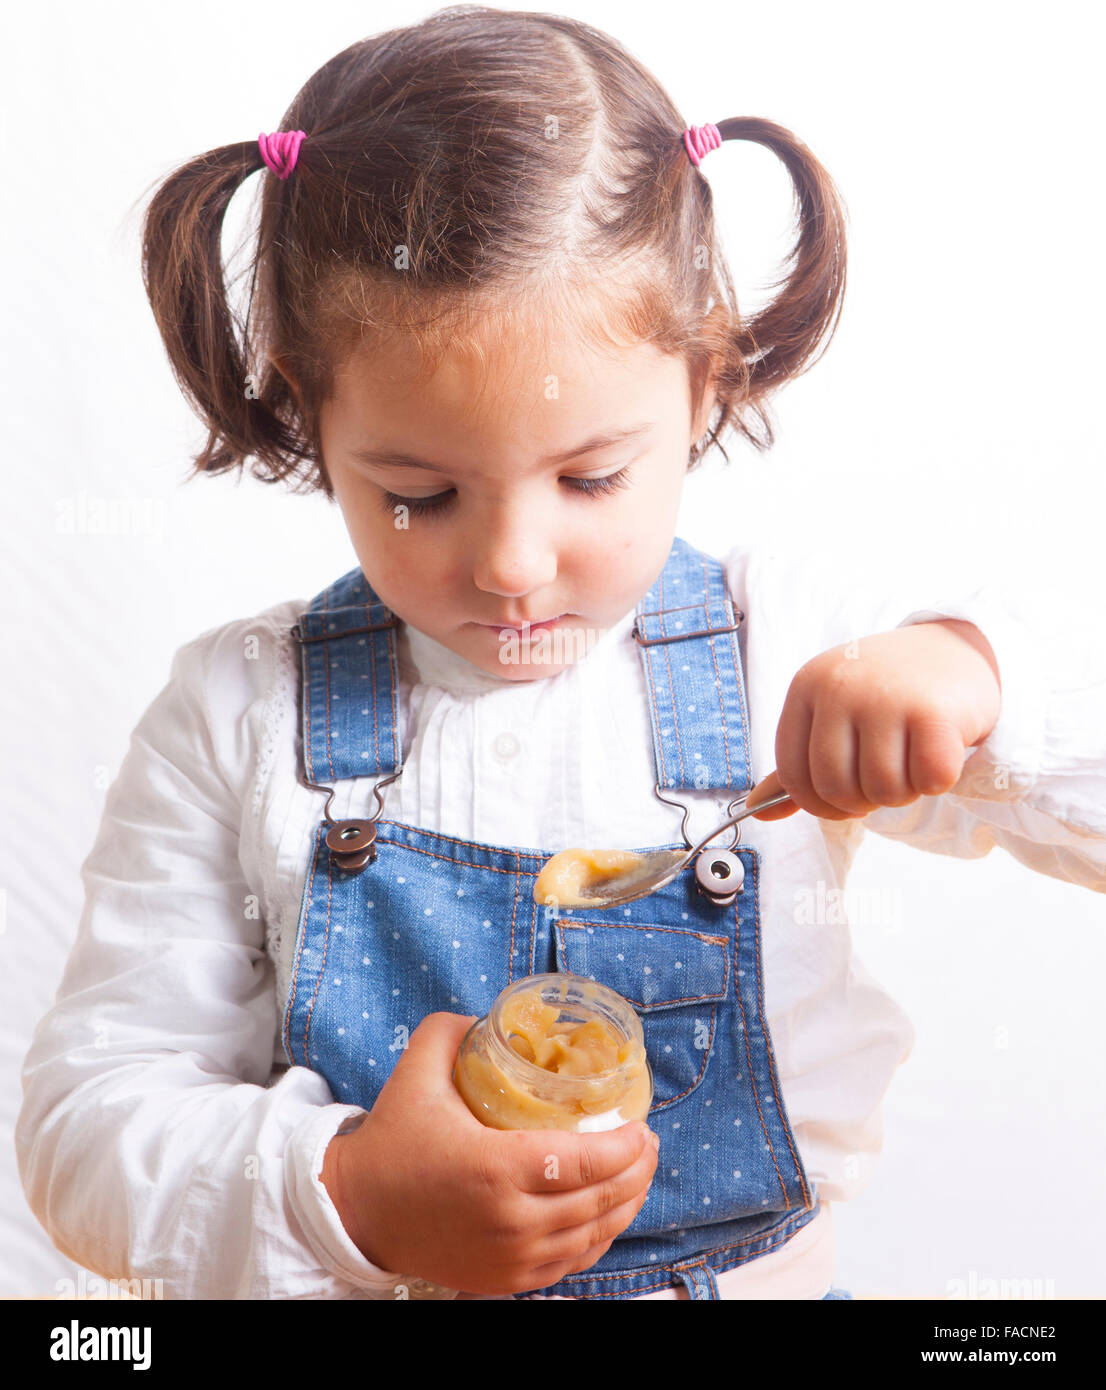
433,922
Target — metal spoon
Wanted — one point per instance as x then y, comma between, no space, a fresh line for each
653,871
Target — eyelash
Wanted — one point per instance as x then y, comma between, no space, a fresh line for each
428,506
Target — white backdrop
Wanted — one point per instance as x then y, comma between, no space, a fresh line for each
955,415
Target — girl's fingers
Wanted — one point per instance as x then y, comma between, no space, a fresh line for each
885,767
577,1247
834,755
834,771
562,1213
575,1243
549,1163
935,757
793,759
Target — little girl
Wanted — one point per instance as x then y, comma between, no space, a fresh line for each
490,318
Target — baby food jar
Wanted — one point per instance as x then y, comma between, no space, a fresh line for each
556,1051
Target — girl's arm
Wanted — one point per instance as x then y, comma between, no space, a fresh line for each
150,1141
1036,786
1036,783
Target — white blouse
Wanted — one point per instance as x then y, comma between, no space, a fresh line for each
162,1133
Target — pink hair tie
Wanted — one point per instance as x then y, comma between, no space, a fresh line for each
699,140
281,150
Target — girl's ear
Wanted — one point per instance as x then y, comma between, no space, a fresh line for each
279,364
710,400
718,318
702,419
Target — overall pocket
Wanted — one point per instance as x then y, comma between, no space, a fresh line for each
675,979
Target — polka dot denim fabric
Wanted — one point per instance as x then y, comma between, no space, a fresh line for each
439,923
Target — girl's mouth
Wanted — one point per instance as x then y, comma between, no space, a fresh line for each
530,627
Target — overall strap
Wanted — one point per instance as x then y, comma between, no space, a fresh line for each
349,711
686,629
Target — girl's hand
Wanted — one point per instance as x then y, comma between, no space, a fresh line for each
882,721
424,1188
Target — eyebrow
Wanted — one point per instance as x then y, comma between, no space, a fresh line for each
388,458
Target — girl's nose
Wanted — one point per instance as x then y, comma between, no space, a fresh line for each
516,560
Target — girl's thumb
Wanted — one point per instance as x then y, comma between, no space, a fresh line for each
763,791
434,1044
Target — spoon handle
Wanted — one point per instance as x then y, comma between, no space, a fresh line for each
733,820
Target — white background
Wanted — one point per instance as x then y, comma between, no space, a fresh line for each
955,415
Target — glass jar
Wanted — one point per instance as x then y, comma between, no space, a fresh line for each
556,1051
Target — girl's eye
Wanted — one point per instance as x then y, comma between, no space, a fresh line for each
598,486
428,506
417,506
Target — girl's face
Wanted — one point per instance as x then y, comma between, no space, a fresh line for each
527,507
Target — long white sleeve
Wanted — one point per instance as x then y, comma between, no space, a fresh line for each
1036,785
150,1142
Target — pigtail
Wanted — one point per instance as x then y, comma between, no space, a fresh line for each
182,269
791,332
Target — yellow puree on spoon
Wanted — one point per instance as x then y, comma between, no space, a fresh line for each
562,878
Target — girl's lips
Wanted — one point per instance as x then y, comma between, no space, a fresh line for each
533,627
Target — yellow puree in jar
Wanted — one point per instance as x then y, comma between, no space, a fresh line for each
570,1049
563,877
581,1051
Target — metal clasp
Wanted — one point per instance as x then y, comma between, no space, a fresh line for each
644,641
719,873
352,843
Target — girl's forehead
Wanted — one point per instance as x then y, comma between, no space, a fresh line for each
515,369
547,327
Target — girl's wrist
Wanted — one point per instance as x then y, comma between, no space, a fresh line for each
352,1202
332,1178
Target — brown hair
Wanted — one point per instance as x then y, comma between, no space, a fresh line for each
452,170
